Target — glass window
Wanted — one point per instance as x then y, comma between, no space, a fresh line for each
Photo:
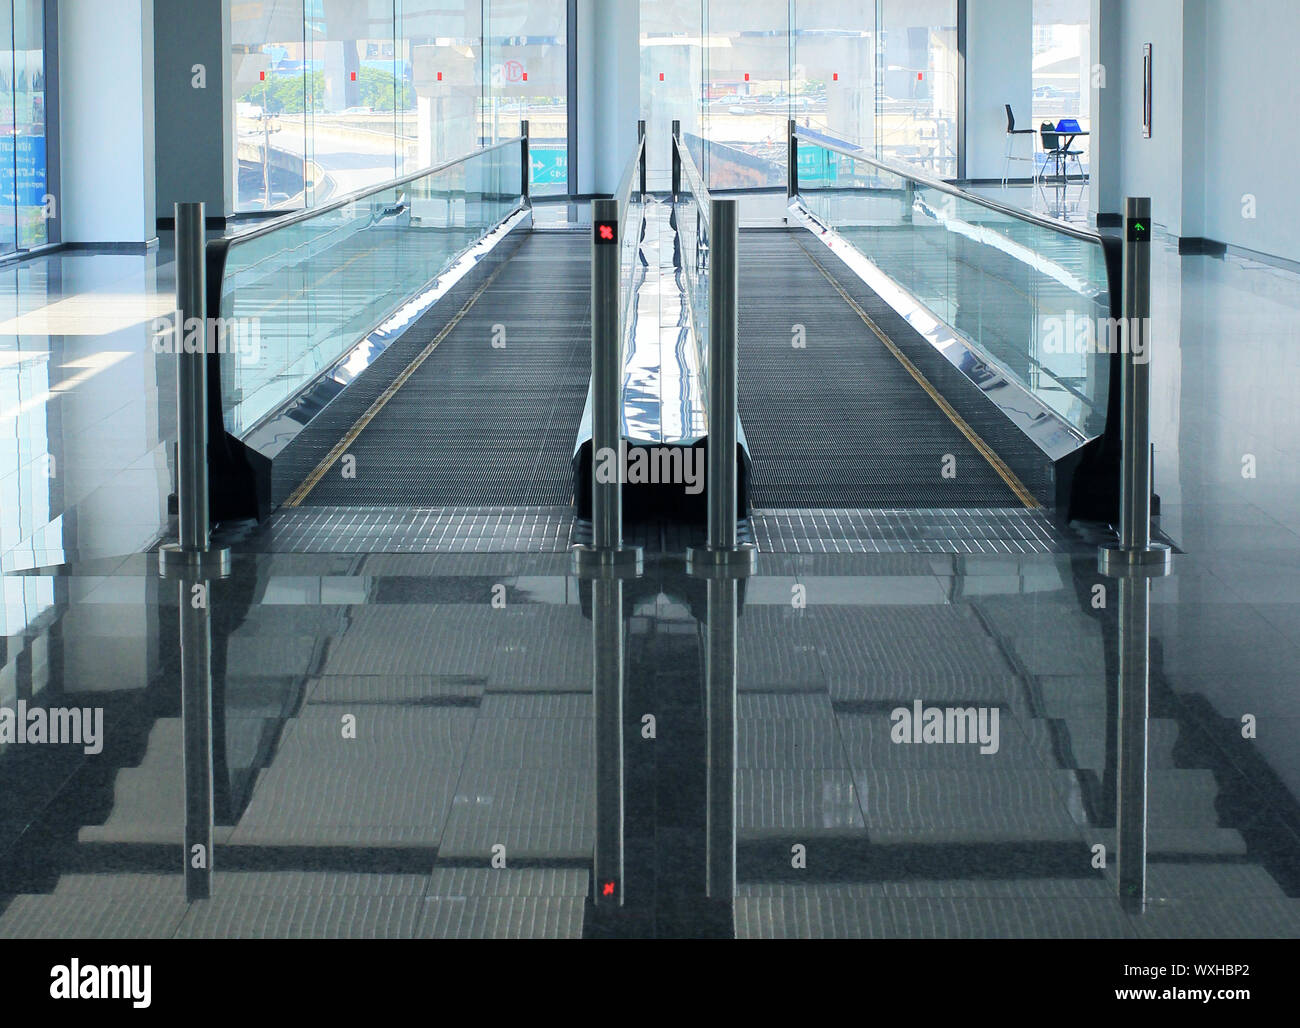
23,211
333,96
746,96
353,93
1062,66
833,85
271,79
527,60
672,32
441,46
880,74
917,67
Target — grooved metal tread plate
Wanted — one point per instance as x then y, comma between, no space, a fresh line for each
397,529
1012,530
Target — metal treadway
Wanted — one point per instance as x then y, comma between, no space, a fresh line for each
489,418
838,422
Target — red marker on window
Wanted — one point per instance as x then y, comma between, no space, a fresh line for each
525,76
661,76
835,77
262,75
354,76
919,76
746,76
439,76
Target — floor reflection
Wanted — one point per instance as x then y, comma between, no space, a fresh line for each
481,745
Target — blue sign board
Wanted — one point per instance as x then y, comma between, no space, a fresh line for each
22,165
550,167
816,164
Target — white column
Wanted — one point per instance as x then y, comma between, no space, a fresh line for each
609,91
106,119
193,122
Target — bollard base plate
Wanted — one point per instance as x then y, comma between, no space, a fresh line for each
1156,561
593,562
722,562
173,562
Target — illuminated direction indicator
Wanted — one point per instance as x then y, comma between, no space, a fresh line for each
606,232
607,889
1139,231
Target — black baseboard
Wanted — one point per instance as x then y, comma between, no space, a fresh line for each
1200,246
127,248
560,199
20,256
212,221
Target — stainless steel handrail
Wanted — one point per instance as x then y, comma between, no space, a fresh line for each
703,200
724,554
623,194
929,182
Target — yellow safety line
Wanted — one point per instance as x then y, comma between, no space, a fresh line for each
995,462
311,481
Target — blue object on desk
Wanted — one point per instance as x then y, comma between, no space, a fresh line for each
1068,125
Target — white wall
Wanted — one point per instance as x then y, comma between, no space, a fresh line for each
1250,117
999,71
1224,76
106,119
1151,167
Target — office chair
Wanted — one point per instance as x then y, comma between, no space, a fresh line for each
1012,133
1055,151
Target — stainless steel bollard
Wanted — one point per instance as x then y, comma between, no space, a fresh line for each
607,687
720,686
193,552
724,548
607,549
196,717
1131,731
1135,548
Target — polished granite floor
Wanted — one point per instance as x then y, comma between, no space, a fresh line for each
470,669
469,677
